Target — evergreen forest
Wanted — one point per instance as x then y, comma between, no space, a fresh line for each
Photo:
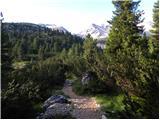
36,61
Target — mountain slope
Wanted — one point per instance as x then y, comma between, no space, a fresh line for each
55,27
27,39
100,32
96,31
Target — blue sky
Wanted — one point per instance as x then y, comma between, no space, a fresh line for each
74,15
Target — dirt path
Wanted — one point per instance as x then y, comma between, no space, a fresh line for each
84,107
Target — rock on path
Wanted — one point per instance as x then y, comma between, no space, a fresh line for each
84,107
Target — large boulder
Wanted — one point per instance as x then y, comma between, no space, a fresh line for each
55,99
56,110
56,106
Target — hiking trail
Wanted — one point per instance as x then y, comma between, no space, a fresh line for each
84,107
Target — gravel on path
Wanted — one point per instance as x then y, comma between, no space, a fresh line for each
84,107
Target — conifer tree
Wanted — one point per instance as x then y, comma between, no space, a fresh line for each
154,40
126,52
20,51
151,95
122,46
41,53
89,50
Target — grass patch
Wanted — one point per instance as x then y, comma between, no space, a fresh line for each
19,65
38,107
112,105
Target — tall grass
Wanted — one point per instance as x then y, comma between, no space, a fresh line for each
112,105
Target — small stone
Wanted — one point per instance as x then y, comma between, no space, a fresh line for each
104,117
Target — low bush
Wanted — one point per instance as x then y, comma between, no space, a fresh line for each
92,88
112,105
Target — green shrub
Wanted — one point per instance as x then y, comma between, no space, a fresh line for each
112,105
94,86
78,88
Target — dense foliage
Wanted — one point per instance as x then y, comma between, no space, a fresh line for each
31,66
134,69
31,41
124,76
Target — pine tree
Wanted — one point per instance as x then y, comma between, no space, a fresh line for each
35,45
154,40
89,50
122,46
15,49
55,47
46,48
125,53
20,51
41,53
151,94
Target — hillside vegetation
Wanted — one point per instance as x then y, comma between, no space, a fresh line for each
123,77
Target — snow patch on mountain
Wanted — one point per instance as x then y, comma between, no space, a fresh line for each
55,27
100,32
96,31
